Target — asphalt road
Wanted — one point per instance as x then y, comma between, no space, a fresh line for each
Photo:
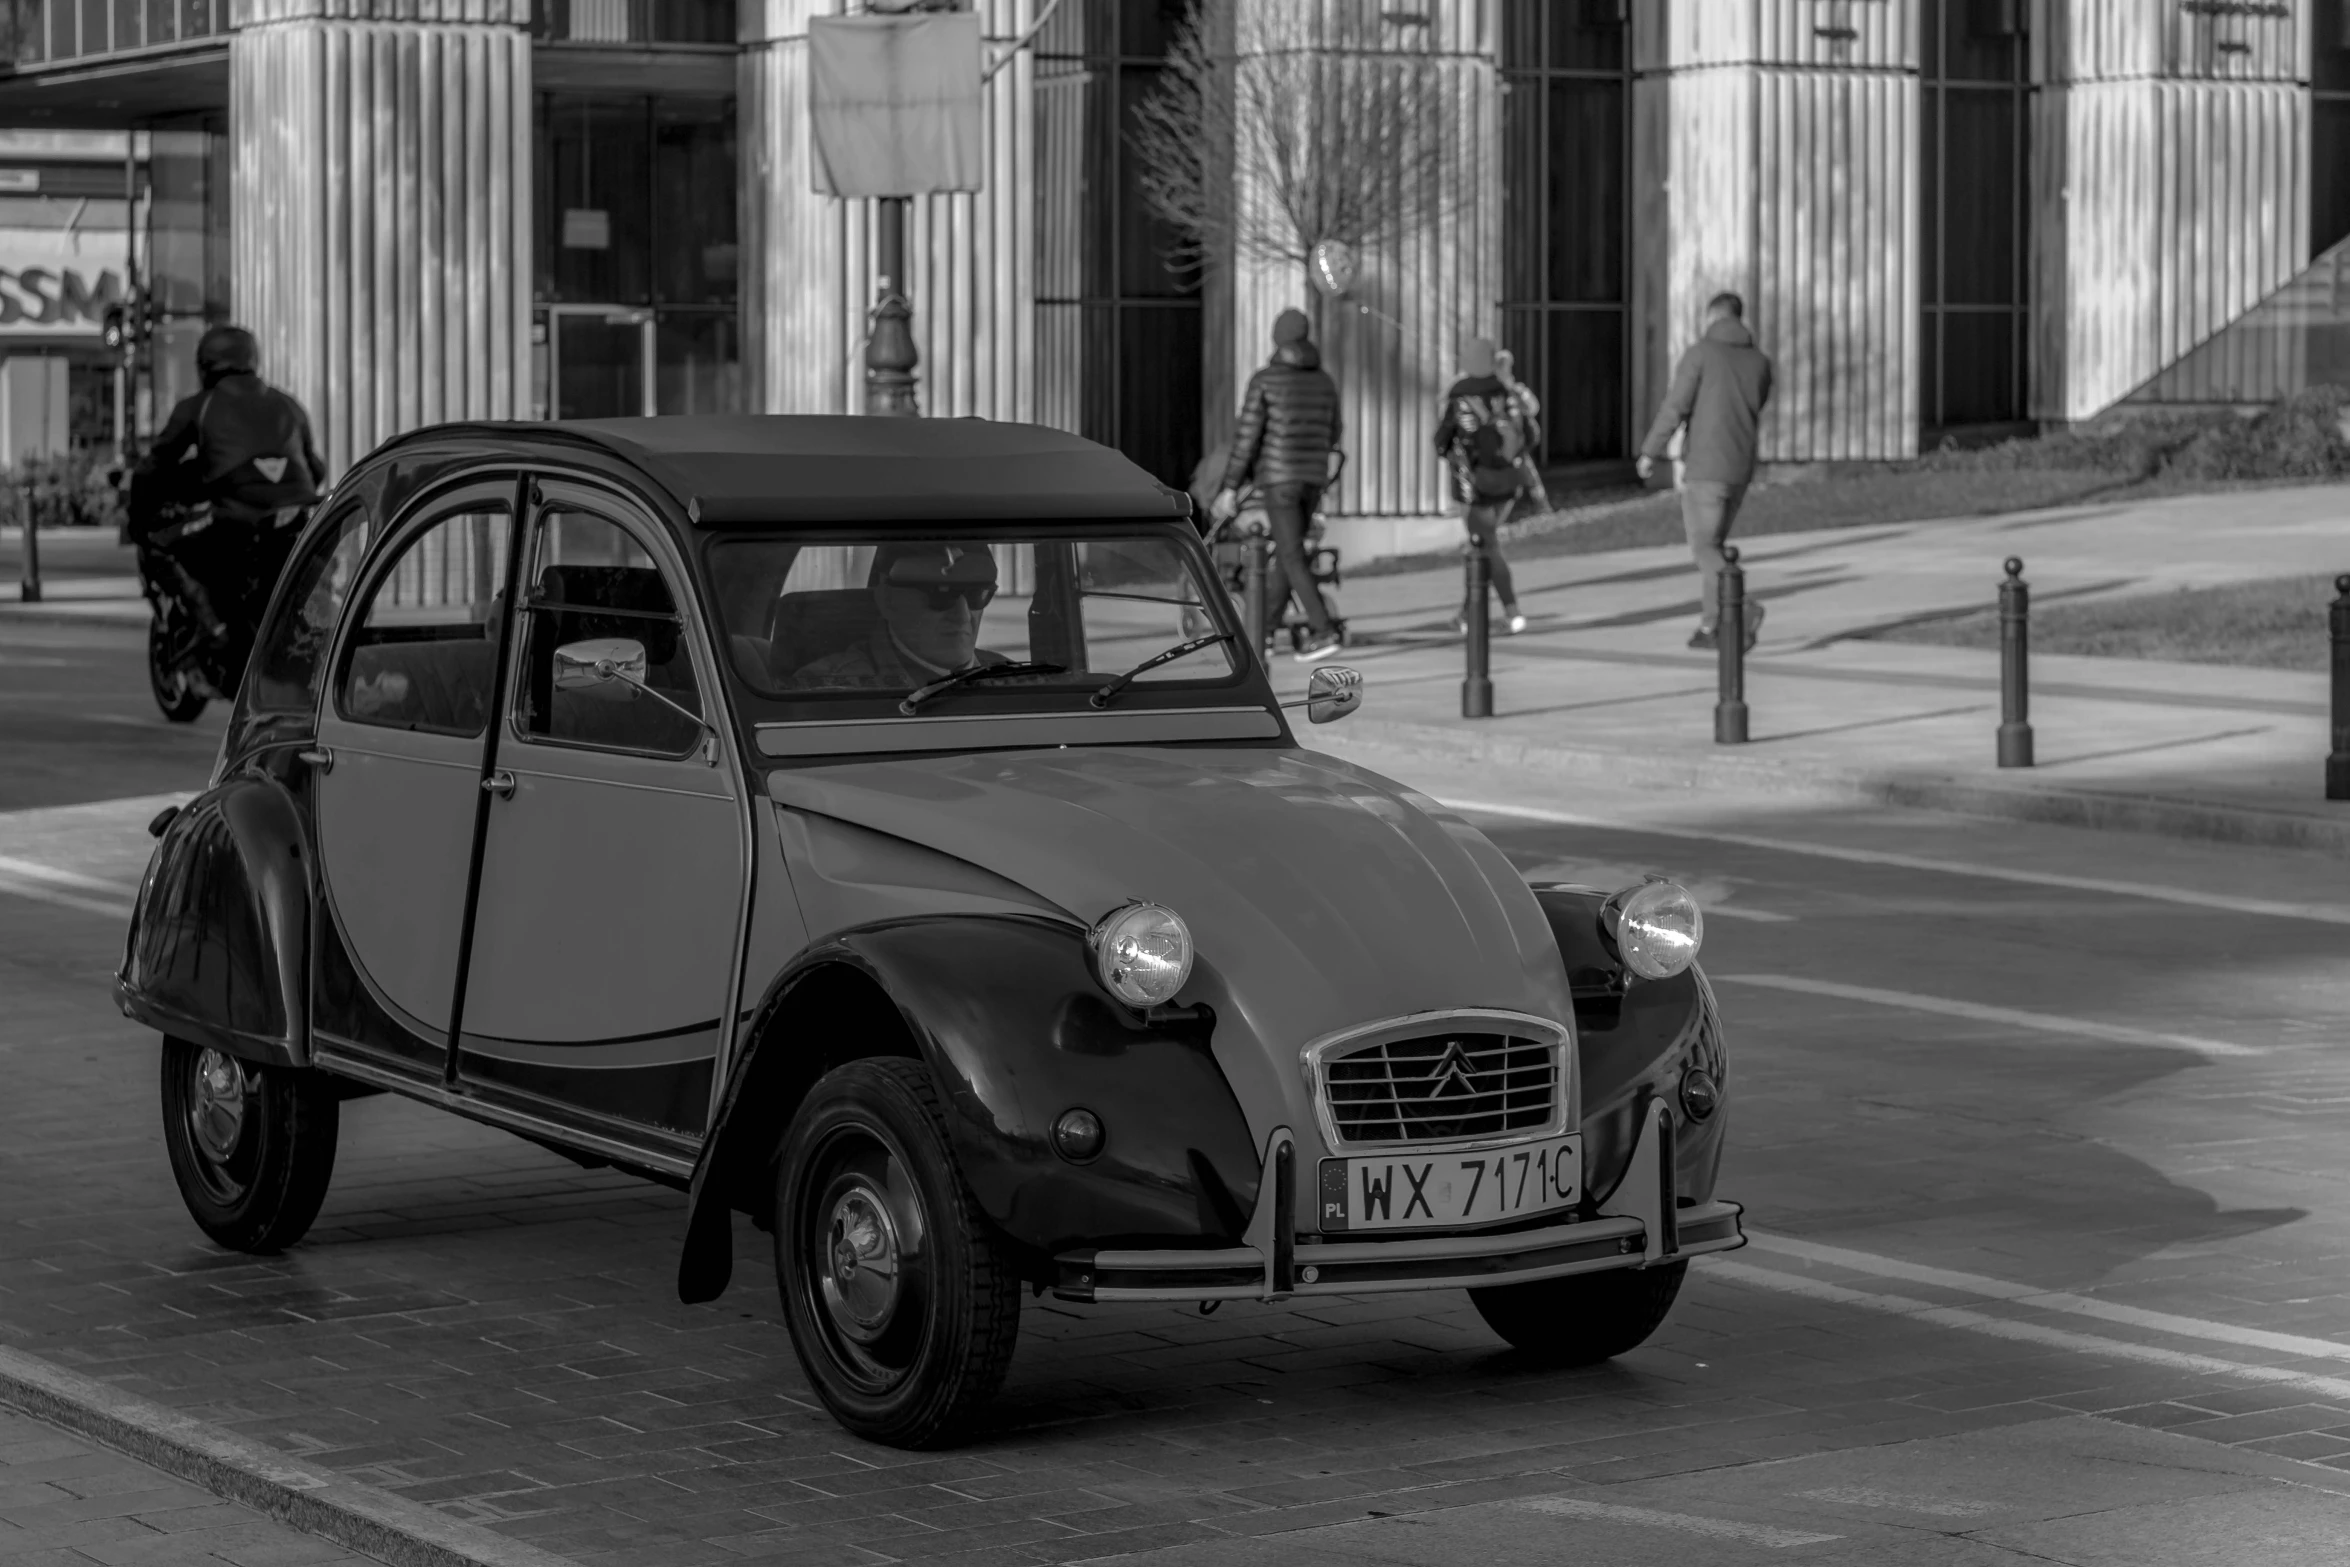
2039,1132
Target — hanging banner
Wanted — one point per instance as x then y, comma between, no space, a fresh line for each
893,104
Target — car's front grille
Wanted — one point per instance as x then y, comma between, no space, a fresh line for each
1442,1088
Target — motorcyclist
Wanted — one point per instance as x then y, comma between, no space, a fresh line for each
239,445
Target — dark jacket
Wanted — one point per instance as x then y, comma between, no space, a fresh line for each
1718,391
1289,422
240,440
1470,404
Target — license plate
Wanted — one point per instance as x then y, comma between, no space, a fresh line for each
1433,1191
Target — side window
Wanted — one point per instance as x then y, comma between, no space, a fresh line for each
604,655
425,654
286,668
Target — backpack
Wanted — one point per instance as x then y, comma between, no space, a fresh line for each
1494,439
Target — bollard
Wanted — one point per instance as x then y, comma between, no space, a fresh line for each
1730,648
1477,684
29,589
2015,685
2338,763
1253,595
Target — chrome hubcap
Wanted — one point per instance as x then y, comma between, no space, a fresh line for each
864,1263
216,1110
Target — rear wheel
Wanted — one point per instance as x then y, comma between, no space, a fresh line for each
1584,1318
169,676
252,1147
901,1303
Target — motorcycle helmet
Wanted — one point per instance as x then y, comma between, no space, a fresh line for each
226,350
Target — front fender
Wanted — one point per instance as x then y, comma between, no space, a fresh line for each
1633,1043
219,936
1005,1011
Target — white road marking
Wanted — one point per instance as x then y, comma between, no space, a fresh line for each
2332,1390
1869,1496
2049,1300
1738,911
2319,913
1687,1523
2006,1017
34,870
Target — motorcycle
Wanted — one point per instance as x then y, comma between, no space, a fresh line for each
207,571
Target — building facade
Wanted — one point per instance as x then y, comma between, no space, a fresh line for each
1949,218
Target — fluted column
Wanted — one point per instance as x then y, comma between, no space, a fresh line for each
380,208
1775,151
2170,185
809,259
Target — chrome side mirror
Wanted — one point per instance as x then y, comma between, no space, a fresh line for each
583,666
1332,692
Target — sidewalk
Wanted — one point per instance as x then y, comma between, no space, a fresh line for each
86,579
1602,687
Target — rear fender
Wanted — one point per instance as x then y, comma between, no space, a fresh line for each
1634,1040
1005,1012
219,937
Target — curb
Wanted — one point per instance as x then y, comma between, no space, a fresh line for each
2055,805
354,1515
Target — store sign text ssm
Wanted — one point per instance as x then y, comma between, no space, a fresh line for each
57,299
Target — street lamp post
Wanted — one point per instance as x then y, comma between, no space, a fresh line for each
890,354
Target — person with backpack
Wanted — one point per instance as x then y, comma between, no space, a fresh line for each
1486,435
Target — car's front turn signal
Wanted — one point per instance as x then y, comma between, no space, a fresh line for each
1142,953
1656,928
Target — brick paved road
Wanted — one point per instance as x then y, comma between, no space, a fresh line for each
64,1503
482,1326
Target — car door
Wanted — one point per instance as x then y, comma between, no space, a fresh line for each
614,871
401,728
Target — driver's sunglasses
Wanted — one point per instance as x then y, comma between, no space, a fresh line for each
941,596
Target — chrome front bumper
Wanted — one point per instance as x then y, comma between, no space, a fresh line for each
1642,1224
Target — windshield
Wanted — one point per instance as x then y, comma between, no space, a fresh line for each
1061,613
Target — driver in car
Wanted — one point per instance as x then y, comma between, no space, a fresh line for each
930,597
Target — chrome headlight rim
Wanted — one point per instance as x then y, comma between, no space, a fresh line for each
1131,976
1655,929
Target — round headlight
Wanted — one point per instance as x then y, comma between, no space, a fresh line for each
1658,929
1142,953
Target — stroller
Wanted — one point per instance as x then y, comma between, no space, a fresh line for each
1229,543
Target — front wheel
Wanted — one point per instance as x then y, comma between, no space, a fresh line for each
252,1147
1584,1318
169,676
901,1303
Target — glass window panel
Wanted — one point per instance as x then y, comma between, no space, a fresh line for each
1980,186
163,21
2329,184
423,656
1143,241
1930,198
688,21
1521,32
694,200
286,665
597,231
130,24
1147,27
1583,388
596,595
699,364
2329,59
1585,199
1523,267
599,365
1587,35
1930,370
96,27
1159,390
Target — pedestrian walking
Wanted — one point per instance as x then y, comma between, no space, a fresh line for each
1718,391
1289,425
1486,435
1505,365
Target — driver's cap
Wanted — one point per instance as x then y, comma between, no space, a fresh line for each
931,564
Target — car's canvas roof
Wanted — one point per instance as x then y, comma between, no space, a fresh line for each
767,469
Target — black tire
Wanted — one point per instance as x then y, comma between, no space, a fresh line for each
1584,1318
902,1304
252,1147
169,678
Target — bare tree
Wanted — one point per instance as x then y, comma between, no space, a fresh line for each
1279,125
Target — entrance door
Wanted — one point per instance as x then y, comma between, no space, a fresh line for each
402,723
600,361
614,870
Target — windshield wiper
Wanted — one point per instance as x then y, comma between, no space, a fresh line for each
1109,693
963,677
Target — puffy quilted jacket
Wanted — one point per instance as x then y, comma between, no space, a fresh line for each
1289,422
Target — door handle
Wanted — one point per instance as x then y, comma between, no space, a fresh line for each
320,758
500,783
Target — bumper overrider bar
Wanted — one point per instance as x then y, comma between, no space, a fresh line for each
1642,1224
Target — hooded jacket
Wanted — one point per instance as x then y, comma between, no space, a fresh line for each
1719,391
1289,422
